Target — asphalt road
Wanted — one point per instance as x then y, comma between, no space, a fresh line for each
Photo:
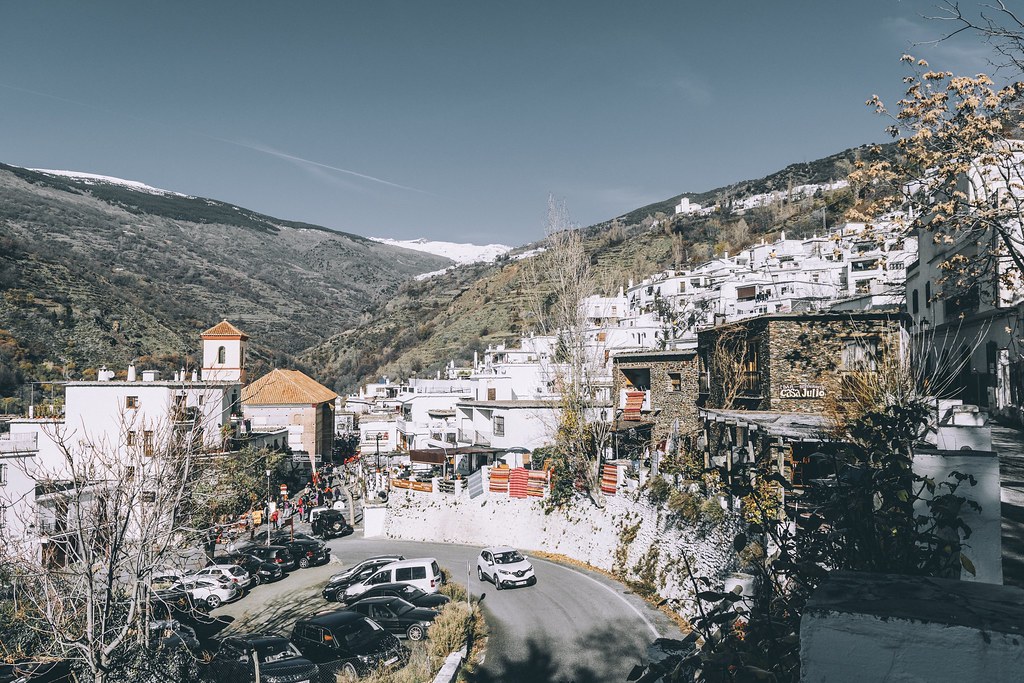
573,625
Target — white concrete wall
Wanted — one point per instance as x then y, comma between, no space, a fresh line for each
985,543
583,533
884,627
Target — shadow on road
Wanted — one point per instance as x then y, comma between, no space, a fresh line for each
610,652
1013,544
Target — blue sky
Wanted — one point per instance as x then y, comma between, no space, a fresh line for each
449,120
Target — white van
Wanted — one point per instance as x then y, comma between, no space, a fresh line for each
422,573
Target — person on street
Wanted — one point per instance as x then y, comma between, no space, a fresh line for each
273,519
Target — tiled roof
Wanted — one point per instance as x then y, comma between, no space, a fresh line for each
286,387
224,329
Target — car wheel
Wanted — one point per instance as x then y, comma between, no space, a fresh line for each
480,573
213,601
256,580
348,673
497,583
415,632
303,563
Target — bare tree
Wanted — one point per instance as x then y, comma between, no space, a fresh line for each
112,513
561,279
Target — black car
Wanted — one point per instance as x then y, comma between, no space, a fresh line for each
37,671
261,571
335,588
172,635
408,592
307,553
397,616
274,554
331,524
347,643
278,660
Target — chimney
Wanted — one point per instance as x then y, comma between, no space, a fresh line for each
104,375
195,376
150,375
131,372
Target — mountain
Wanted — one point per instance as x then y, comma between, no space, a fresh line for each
451,315
459,252
98,270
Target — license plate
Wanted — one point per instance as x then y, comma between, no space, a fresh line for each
391,661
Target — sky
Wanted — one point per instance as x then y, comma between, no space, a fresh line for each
451,120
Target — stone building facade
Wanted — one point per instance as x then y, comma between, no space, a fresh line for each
791,363
668,380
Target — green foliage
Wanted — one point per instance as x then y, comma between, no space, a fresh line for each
862,518
658,490
236,483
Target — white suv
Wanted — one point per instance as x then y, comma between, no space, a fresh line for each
504,566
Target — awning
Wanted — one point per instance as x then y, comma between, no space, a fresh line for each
634,404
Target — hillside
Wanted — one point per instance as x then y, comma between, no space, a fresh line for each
447,317
100,273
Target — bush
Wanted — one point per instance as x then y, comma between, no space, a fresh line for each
712,511
686,505
658,490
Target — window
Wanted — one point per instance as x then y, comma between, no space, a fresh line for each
131,402
750,379
928,295
914,303
3,516
129,439
410,573
492,394
222,355
499,425
860,355
147,443
3,475
746,293
675,381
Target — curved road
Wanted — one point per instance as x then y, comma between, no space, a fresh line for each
574,625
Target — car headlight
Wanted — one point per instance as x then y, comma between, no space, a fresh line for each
365,659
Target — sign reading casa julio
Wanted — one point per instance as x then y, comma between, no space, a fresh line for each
801,391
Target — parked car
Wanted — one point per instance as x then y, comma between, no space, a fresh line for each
335,588
211,591
232,572
275,554
279,660
422,573
348,643
260,571
286,535
331,524
504,566
165,579
411,594
174,603
397,616
171,634
37,671
307,553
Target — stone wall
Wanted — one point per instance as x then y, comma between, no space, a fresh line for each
800,357
629,537
667,404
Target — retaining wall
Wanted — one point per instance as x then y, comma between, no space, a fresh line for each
629,537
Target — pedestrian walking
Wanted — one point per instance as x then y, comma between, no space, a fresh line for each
273,519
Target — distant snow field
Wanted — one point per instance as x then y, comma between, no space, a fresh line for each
459,252
90,178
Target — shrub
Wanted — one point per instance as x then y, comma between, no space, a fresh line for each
711,511
658,490
686,505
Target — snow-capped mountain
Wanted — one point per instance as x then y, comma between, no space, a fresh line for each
457,251
92,178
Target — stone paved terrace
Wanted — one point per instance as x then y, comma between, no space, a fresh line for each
1009,443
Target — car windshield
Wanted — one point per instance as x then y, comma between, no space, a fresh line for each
361,632
400,606
277,650
510,557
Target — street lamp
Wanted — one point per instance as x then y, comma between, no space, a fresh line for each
268,508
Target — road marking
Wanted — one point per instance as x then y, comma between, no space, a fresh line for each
610,590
